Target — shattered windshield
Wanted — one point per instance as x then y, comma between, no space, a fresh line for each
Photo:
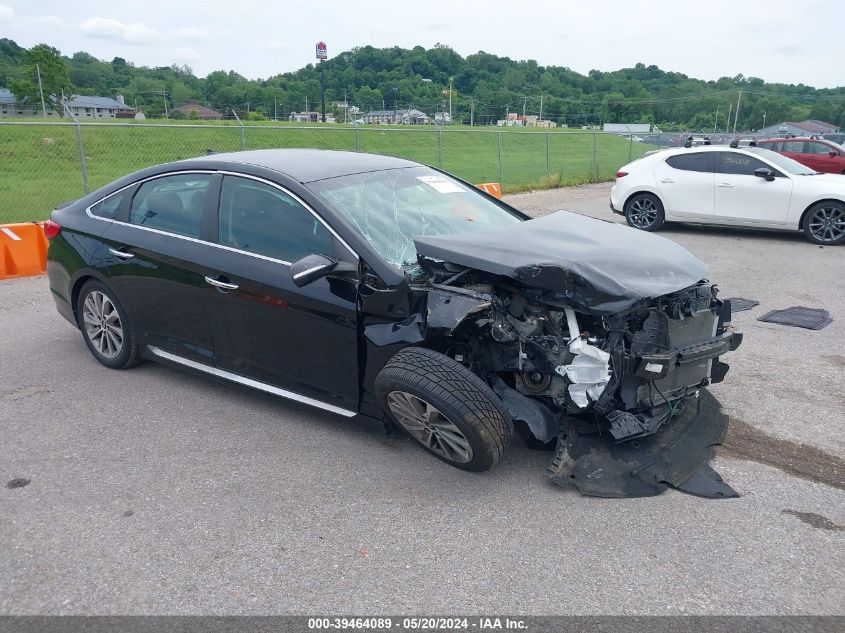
391,207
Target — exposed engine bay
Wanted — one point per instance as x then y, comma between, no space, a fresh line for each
561,372
598,340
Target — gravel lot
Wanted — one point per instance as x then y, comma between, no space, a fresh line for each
157,492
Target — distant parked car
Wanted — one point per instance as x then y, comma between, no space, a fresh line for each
817,153
742,186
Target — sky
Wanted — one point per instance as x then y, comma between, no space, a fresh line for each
775,40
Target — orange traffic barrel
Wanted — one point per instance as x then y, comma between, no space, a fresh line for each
23,250
493,188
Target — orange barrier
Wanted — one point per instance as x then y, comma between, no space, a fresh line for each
23,249
493,188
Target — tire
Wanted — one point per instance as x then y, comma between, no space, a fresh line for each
106,327
444,407
824,223
644,211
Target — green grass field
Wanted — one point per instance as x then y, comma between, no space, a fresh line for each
40,165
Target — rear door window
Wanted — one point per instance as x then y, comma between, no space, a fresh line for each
694,161
796,147
264,220
174,204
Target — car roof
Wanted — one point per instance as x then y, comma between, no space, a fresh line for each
308,165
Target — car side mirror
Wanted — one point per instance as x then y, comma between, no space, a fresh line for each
833,154
311,268
764,172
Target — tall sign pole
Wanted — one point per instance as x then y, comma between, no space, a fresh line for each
322,54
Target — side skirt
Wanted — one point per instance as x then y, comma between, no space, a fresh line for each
249,382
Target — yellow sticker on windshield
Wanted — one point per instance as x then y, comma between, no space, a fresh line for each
443,185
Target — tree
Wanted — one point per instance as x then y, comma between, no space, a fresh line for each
55,77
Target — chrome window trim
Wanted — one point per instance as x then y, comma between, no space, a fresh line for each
212,172
249,382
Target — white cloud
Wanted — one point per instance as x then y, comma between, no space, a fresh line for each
111,29
6,13
191,34
186,54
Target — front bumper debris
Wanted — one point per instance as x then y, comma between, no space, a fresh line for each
675,456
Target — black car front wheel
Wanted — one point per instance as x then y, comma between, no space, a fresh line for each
644,211
825,223
445,407
105,326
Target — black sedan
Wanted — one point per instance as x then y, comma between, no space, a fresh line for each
376,287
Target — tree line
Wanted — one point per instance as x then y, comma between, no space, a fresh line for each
484,87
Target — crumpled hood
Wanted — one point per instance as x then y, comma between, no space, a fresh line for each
600,266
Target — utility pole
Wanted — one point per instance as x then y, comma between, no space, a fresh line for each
164,96
764,118
395,106
716,120
472,112
450,99
728,126
345,108
736,114
541,106
524,104
275,110
41,91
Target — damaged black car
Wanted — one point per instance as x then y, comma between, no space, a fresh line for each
379,288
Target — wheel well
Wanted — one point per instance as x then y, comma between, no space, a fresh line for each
636,193
74,293
804,214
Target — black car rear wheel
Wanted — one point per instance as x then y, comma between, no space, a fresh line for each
825,223
445,407
644,211
105,326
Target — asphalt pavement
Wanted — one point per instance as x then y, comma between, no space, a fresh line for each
156,492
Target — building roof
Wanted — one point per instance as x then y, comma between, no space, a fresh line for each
202,111
85,101
6,96
397,112
814,125
308,165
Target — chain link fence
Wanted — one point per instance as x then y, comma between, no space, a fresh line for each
43,164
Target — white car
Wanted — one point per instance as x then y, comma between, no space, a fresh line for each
744,186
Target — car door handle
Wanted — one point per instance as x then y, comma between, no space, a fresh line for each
726,185
221,284
121,253
666,181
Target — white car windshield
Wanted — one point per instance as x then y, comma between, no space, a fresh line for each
784,163
390,207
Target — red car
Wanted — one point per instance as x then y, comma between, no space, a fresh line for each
815,153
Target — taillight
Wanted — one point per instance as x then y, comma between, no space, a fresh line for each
621,174
51,229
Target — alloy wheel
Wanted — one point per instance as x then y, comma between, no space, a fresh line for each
102,324
426,424
642,213
827,224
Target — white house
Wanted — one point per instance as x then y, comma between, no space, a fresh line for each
85,107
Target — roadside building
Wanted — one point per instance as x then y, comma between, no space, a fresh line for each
85,107
514,119
809,127
11,106
400,117
310,117
202,112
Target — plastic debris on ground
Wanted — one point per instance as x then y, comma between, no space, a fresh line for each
738,304
799,316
